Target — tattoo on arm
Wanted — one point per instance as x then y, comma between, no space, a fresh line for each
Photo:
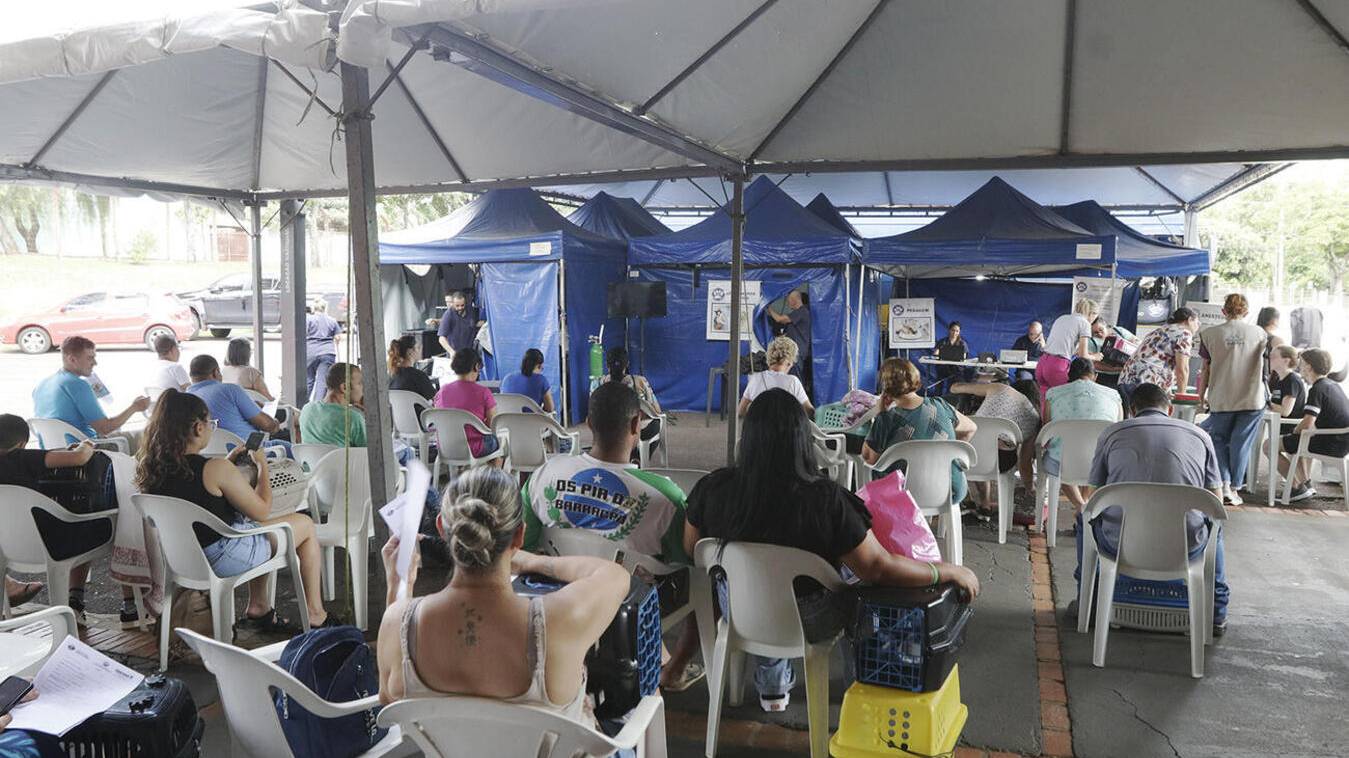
468,633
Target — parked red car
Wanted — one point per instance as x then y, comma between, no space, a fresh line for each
104,317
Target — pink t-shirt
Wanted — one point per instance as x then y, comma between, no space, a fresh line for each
471,397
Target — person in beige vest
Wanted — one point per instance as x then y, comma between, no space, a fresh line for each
1233,385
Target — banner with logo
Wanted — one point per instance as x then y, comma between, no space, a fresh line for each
1106,292
719,308
913,323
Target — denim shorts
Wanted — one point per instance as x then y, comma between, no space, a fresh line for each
233,556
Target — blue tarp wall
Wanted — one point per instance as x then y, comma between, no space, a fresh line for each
525,248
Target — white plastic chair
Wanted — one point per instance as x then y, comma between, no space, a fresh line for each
339,493
37,648
927,477
562,540
443,727
1268,441
1303,451
222,442
447,424
246,680
684,478
522,438
185,564
860,471
763,619
985,469
662,422
55,434
831,454
308,454
1154,544
1078,447
510,402
407,409
21,546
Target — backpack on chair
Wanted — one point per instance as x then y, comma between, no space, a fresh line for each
338,666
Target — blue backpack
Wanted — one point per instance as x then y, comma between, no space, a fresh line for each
338,665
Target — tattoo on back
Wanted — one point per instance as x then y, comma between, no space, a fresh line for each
468,633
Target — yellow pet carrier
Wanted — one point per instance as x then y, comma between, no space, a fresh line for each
882,721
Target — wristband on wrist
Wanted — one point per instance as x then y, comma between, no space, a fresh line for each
936,575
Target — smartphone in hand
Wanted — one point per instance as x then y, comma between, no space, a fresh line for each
255,441
12,690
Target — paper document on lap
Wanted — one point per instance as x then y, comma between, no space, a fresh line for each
75,683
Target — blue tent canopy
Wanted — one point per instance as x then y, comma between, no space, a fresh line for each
995,231
1137,254
821,206
617,217
778,231
534,265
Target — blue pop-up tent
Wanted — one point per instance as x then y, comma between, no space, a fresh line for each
534,266
871,288
617,217
821,206
785,247
1136,254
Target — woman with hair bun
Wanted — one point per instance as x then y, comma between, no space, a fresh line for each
439,644
404,352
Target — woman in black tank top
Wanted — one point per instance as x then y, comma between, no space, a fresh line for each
171,464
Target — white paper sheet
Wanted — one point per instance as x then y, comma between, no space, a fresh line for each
74,684
403,514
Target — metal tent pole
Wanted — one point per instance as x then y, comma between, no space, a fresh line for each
563,343
255,216
861,303
737,275
291,224
848,351
369,311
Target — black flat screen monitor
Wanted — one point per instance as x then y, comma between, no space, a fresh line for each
636,300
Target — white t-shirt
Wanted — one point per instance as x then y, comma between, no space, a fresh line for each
170,374
1064,336
764,381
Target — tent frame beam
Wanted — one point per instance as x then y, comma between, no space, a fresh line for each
1329,28
679,78
1158,184
313,95
815,85
652,193
1066,99
396,77
9,172
71,119
546,88
1251,176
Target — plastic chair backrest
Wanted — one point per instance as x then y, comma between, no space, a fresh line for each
20,541
308,454
245,682
407,411
571,541
222,442
927,474
256,397
985,443
526,436
461,726
684,478
763,602
54,434
62,622
174,517
1079,438
510,402
451,437
341,485
1153,536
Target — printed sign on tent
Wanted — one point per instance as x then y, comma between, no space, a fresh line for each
1210,314
913,323
719,308
1106,292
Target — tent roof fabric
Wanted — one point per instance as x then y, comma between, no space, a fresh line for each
653,89
500,225
778,231
821,207
996,230
1137,254
616,217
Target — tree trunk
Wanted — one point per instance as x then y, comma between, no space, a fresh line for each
103,206
28,231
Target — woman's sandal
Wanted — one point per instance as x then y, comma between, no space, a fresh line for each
691,675
269,623
27,591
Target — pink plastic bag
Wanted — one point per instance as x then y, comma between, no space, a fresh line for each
896,521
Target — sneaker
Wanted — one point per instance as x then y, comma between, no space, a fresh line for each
1300,493
1232,498
130,618
76,604
1219,628
775,703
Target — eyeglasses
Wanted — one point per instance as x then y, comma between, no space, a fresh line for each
211,423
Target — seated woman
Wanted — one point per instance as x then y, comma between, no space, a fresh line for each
466,394
404,353
781,356
1019,404
1081,398
775,494
1326,407
618,372
237,371
437,644
1287,390
530,381
170,463
905,415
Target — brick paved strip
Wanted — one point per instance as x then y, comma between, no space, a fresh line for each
1056,728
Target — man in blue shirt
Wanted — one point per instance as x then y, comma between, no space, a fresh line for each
231,407
459,326
1153,447
65,395
795,325
321,333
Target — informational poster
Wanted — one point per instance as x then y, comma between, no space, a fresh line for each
1106,292
719,308
913,323
1210,314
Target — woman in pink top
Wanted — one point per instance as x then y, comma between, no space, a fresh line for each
467,395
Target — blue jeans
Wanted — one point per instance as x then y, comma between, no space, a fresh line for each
1221,592
316,374
1232,432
